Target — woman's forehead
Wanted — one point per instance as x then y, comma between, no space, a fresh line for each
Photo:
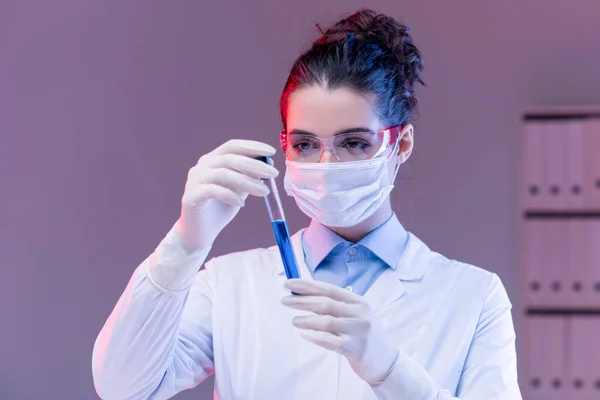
324,112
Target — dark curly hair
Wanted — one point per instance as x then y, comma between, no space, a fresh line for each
368,52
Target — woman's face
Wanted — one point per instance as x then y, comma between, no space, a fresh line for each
325,113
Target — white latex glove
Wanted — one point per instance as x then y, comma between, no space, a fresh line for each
343,322
217,187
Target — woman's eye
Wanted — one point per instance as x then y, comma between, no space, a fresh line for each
303,146
354,144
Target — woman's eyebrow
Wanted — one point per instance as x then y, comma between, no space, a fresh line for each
349,130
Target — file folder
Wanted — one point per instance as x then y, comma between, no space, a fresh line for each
554,145
579,287
576,191
585,357
592,147
554,271
593,263
531,249
545,372
532,166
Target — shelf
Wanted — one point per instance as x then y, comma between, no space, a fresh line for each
563,311
561,214
567,112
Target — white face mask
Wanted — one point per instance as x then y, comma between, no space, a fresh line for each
339,194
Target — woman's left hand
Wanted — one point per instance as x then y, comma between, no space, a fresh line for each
343,322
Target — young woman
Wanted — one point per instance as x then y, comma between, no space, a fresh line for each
378,316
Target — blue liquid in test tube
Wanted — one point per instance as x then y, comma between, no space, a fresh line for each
280,229
282,236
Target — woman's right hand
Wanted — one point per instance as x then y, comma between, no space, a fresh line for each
217,187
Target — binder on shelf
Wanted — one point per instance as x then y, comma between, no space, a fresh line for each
554,145
592,147
593,264
576,191
579,286
531,249
532,164
554,270
584,358
545,371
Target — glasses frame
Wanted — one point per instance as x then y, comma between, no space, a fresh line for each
327,144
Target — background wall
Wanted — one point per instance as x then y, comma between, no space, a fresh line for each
105,105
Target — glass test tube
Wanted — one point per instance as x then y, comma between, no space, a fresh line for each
280,229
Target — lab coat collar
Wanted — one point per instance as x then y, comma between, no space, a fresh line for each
414,260
389,286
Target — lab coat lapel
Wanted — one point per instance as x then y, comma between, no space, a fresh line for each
385,290
389,287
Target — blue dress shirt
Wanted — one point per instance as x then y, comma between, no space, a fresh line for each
354,266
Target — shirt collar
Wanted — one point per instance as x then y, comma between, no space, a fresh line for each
387,242
318,242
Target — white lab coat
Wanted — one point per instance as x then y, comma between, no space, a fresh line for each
450,320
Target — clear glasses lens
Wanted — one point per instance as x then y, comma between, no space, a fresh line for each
305,148
345,147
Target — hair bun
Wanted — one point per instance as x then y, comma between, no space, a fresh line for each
384,31
369,53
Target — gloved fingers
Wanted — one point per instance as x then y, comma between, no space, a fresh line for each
246,165
326,340
235,181
323,305
327,323
318,288
250,148
200,194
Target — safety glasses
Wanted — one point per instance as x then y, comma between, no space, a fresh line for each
351,146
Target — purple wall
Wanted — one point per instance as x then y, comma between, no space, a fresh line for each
103,108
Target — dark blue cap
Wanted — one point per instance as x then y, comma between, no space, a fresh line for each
264,159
